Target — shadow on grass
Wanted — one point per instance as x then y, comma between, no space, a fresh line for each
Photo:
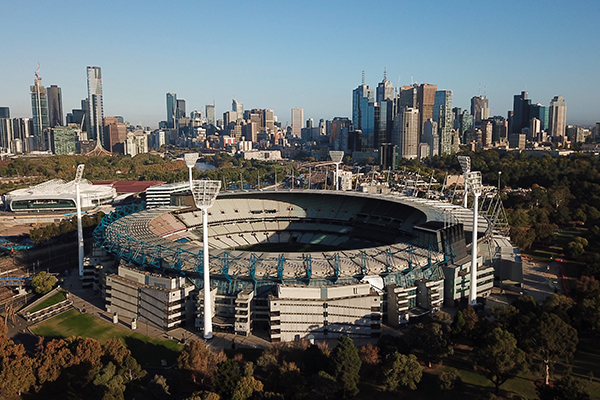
150,354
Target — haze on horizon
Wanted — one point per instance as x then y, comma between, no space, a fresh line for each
310,55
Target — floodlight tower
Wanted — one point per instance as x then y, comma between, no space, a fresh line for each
78,177
336,157
475,186
205,193
190,162
465,164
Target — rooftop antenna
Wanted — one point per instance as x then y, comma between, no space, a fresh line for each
411,80
384,73
479,90
363,77
485,92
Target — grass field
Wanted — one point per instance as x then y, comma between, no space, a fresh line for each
50,301
146,350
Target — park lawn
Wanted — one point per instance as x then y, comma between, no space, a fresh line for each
145,349
50,301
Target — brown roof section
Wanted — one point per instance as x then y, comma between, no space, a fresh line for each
129,186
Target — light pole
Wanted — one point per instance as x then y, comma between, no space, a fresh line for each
190,162
205,193
78,177
465,164
336,157
475,187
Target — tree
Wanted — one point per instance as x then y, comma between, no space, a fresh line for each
226,378
449,380
500,359
199,361
246,387
402,370
458,324
50,361
567,388
345,366
433,340
158,387
43,282
16,367
552,340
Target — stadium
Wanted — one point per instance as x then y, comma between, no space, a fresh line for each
57,195
295,264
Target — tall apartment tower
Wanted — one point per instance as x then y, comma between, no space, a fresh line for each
210,114
96,108
425,102
406,132
557,120
442,114
297,121
39,109
171,109
479,109
55,109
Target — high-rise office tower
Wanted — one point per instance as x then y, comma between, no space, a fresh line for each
4,112
96,108
406,132
6,133
425,102
479,109
39,108
540,112
210,114
55,109
297,118
237,107
115,133
465,124
442,114
268,120
171,109
180,108
431,137
520,117
361,97
385,89
557,120
407,97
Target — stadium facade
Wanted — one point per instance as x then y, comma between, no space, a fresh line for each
299,263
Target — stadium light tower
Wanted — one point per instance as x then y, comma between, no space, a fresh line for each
465,164
190,162
336,157
78,177
475,186
205,193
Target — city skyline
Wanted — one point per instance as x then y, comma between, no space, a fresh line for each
304,65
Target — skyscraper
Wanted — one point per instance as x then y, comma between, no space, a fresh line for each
540,112
39,108
237,107
96,108
171,109
425,102
361,97
180,108
557,120
55,109
297,121
406,132
479,109
521,108
442,114
4,112
385,89
210,114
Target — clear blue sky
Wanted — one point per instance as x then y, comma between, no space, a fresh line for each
308,54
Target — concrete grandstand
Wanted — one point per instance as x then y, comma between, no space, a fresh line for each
306,263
